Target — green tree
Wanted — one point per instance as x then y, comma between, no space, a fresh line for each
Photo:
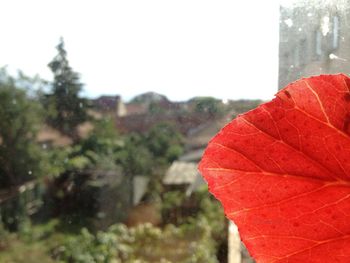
164,142
134,156
68,110
102,145
208,105
20,156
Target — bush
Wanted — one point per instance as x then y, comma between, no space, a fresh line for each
4,235
89,248
144,243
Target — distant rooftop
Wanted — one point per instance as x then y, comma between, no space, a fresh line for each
181,173
193,156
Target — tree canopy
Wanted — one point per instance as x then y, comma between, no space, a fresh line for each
68,110
20,156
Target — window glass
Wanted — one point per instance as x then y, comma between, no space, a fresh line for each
316,33
93,170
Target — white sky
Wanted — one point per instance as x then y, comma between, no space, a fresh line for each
182,48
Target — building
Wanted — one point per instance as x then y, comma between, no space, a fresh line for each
111,104
183,176
314,39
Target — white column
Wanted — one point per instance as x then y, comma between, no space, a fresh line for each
234,244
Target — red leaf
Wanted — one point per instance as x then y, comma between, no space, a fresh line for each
282,173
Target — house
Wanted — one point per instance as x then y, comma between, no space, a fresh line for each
183,175
143,122
192,156
198,137
135,109
180,174
50,137
110,104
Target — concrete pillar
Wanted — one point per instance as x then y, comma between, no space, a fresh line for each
234,244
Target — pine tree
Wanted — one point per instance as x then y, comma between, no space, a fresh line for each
68,109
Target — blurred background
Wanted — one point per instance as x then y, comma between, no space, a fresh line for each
106,108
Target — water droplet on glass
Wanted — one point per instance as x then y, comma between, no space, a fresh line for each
289,22
325,26
335,57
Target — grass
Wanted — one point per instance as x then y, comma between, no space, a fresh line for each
18,251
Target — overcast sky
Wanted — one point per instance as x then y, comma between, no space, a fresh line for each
182,48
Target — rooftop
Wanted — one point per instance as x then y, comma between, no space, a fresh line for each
180,173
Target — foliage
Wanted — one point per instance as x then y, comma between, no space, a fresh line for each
148,98
241,106
97,151
144,154
134,156
172,199
184,211
208,105
164,141
31,233
155,108
20,252
105,128
102,145
29,245
67,109
144,243
211,209
189,243
20,157
105,150
89,248
172,204
268,168
105,146
73,200
17,206
74,193
66,159
4,236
